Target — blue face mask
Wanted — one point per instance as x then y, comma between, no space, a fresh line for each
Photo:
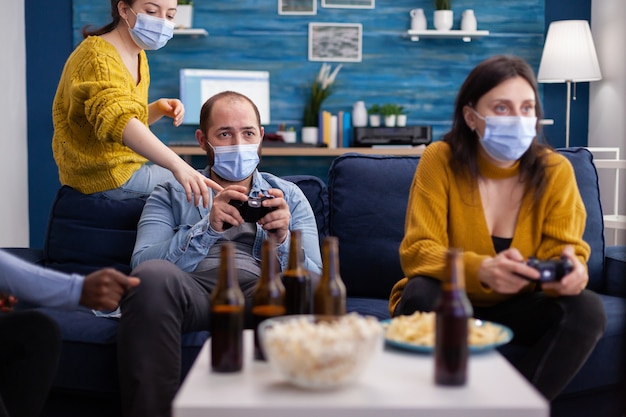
506,138
236,162
151,33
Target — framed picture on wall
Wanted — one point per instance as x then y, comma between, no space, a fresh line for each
349,4
340,42
297,7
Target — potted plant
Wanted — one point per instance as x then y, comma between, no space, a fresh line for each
374,115
184,14
401,117
389,112
443,16
320,91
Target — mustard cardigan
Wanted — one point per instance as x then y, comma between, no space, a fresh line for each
445,211
95,99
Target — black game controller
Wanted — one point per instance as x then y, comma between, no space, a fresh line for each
551,270
251,210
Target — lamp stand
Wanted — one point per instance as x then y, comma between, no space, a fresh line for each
567,111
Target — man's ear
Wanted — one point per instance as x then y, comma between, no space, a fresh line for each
202,140
470,117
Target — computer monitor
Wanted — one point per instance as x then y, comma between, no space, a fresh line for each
197,85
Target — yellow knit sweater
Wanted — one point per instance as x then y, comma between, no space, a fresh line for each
445,211
94,101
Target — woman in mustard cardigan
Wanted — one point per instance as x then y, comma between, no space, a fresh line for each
493,190
101,114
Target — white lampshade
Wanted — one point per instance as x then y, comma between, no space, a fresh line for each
569,54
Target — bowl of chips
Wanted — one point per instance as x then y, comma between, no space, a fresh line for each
321,352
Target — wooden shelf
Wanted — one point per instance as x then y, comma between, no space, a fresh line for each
465,35
187,151
191,32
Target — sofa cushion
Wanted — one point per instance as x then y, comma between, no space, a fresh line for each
86,233
368,195
315,191
587,180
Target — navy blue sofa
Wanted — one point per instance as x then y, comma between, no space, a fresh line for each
363,203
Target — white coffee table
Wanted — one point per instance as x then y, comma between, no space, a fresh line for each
395,384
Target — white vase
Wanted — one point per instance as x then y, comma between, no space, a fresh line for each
359,114
390,121
401,120
310,135
468,21
184,16
418,19
374,120
444,19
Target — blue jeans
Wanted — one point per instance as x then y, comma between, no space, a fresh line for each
140,184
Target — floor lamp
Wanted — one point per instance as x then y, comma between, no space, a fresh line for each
569,57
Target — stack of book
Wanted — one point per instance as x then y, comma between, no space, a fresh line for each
335,130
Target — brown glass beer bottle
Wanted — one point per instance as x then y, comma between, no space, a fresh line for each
451,329
227,316
268,298
330,294
296,279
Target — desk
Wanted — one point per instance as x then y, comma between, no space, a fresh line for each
396,384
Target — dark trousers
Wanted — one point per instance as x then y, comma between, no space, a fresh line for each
167,303
30,344
560,332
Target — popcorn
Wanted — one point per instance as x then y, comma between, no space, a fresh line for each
318,353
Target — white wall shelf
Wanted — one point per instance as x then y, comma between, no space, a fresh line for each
191,32
465,35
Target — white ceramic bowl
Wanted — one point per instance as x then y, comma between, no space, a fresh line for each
321,352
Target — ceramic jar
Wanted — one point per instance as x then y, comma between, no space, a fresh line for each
468,21
359,114
418,19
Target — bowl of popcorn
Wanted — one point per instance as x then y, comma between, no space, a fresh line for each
321,352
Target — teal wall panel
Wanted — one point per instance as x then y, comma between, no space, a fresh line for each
422,76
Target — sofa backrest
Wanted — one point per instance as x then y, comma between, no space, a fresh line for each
368,195
587,181
86,233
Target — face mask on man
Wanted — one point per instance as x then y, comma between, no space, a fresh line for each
235,162
506,138
151,33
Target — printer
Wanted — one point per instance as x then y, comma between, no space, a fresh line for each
405,135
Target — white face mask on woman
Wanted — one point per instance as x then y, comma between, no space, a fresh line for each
506,138
150,32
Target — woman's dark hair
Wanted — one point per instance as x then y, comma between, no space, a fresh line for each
464,142
207,108
115,15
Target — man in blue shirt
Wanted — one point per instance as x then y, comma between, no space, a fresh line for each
30,341
177,251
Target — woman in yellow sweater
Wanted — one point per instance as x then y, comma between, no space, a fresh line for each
493,190
102,141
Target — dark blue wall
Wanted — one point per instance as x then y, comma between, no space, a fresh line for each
423,76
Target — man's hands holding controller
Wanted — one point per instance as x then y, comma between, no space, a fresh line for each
223,214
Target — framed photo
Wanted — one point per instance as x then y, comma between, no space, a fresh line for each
297,7
349,4
339,42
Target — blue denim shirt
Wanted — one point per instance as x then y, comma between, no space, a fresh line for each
173,229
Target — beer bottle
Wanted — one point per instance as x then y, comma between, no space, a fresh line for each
268,298
330,294
296,279
451,330
227,316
